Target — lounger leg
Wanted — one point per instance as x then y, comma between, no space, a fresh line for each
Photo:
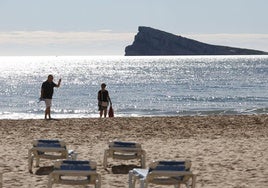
37,161
193,181
131,179
98,183
49,185
30,161
143,158
143,183
1,180
105,159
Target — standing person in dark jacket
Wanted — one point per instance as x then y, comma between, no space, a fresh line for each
47,90
103,100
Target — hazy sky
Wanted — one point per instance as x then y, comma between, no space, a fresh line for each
106,27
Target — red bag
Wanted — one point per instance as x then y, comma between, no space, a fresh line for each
111,112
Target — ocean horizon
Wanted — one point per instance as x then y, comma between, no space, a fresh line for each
139,86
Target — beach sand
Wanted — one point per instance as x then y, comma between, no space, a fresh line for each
226,151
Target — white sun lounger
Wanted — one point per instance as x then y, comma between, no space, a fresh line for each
163,173
124,151
70,172
48,149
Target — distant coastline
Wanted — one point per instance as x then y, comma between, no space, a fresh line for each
154,42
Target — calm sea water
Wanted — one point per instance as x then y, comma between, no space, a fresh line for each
138,86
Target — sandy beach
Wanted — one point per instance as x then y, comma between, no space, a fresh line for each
226,151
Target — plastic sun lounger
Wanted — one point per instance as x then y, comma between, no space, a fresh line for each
164,173
48,149
71,172
124,151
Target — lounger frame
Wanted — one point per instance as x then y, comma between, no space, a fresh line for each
124,151
75,169
48,149
163,176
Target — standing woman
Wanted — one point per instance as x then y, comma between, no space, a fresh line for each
103,100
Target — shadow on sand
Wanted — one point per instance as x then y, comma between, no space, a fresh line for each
123,169
46,170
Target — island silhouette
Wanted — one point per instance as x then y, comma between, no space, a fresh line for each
153,42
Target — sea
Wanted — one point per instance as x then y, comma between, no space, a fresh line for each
139,86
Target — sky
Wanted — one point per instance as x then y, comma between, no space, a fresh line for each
106,27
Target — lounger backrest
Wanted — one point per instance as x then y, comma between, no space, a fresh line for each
124,144
48,143
72,162
75,165
170,166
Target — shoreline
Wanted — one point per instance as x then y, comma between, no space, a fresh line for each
96,116
226,150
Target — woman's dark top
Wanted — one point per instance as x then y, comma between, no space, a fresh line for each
103,95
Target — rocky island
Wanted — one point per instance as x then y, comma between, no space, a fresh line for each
150,42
